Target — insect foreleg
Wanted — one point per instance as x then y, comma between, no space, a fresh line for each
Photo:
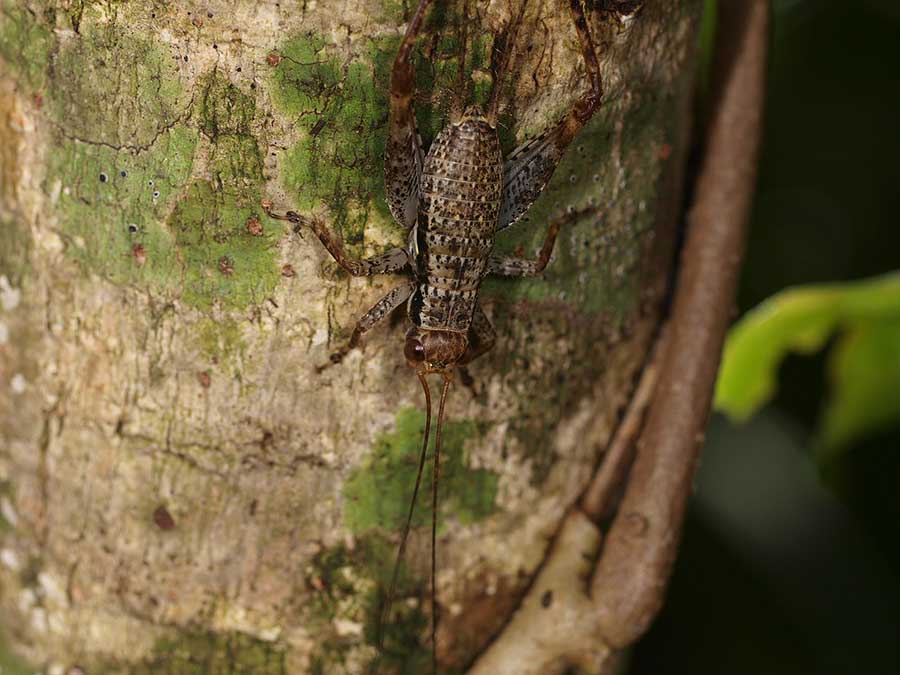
370,319
389,262
521,267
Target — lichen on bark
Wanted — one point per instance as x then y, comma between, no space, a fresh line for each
179,480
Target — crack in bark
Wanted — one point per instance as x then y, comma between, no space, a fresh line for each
133,149
43,471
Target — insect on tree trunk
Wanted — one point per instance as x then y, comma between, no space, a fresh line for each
182,483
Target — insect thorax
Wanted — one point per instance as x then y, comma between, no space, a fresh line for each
459,203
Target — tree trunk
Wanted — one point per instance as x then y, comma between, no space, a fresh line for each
182,489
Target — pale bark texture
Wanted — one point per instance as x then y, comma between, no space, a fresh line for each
182,490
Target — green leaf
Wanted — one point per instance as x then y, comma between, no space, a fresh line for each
864,369
864,365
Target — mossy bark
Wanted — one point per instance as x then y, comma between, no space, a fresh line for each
181,490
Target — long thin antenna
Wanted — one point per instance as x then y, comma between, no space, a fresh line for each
412,505
434,512
509,45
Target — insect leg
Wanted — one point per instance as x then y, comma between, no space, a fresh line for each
403,151
379,311
521,267
529,167
481,336
387,263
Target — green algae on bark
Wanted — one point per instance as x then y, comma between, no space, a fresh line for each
25,43
14,246
112,204
205,653
223,262
226,249
119,177
114,87
377,493
341,111
349,585
220,340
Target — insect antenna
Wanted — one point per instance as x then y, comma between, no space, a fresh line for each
389,600
501,66
434,511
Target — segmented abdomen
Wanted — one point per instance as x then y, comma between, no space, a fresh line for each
459,202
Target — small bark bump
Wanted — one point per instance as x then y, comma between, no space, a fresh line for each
163,518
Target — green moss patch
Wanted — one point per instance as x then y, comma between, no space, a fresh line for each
14,246
350,584
120,171
219,340
222,261
121,155
377,494
341,110
114,87
206,653
111,205
25,42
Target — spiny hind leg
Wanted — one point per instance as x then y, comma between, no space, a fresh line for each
403,152
530,166
391,262
522,267
370,319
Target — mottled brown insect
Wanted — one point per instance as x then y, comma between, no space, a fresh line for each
453,201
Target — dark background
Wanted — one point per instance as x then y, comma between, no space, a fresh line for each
789,566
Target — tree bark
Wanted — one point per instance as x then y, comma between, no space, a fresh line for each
180,485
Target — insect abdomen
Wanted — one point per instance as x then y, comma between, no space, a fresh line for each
459,203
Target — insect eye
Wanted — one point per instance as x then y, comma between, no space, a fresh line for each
414,351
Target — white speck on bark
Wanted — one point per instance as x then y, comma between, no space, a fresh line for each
18,384
320,337
9,558
51,588
346,628
9,512
27,599
9,296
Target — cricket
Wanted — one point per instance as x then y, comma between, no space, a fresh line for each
453,201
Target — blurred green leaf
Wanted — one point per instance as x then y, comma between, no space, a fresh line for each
864,366
864,369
